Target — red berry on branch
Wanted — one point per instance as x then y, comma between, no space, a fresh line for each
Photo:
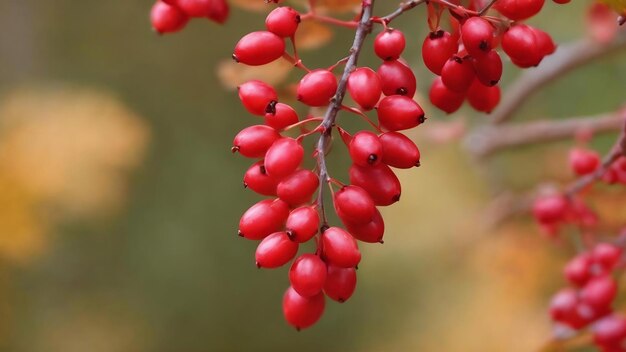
578,270
550,209
340,283
256,96
259,48
397,78
340,248
371,232
317,88
166,18
478,36
610,331
365,148
308,275
583,161
302,224
488,68
563,307
458,74
283,21
443,98
280,116
298,188
483,98
257,179
399,151
519,9
219,11
354,205
364,87
302,312
521,44
437,48
599,293
283,157
255,141
389,44
379,181
397,112
275,251
607,255
263,218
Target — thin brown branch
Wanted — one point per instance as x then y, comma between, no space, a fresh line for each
404,7
486,140
618,151
566,58
364,28
487,7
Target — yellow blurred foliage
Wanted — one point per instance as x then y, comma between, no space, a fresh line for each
63,153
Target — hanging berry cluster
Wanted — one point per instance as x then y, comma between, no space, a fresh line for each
468,66
170,16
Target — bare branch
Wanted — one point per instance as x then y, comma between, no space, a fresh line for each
486,140
566,58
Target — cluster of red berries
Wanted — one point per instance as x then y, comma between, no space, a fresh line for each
292,216
589,299
168,16
467,63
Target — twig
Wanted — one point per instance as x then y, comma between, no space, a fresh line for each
486,140
487,7
404,7
566,58
364,28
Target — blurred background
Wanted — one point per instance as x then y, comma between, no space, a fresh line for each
120,199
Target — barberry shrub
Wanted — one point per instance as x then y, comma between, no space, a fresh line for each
467,43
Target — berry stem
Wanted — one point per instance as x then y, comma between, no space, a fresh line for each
487,7
362,115
329,20
363,29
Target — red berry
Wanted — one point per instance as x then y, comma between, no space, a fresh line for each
255,141
365,87
283,157
578,270
584,161
280,116
166,18
259,48
399,151
607,255
610,330
340,248
302,224
195,8
550,209
308,275
298,188
389,44
371,232
458,74
437,48
599,292
317,88
340,283
519,9
302,312
263,218
397,112
443,98
483,98
520,43
257,179
256,96
219,11
365,148
544,41
283,21
397,78
563,305
275,251
379,181
488,68
478,35
354,205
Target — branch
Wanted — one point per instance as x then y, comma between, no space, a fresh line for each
566,58
486,140
618,151
404,7
364,28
